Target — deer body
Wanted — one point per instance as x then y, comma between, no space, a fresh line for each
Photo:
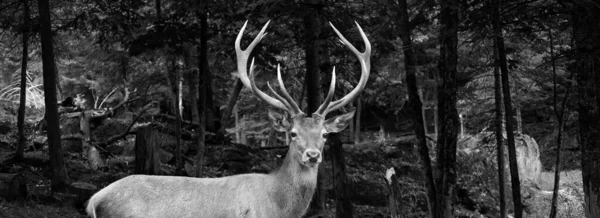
284,193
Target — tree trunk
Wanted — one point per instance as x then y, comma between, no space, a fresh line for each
462,125
312,26
231,102
173,78
586,31
92,153
238,133
203,87
392,184
13,186
158,9
193,90
23,93
59,172
357,118
343,206
147,159
421,94
512,154
416,105
499,137
351,123
559,115
83,191
448,115
212,112
518,117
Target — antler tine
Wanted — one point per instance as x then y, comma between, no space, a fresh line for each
329,96
254,88
242,62
278,96
286,94
365,63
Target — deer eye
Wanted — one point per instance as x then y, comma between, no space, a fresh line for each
293,134
325,135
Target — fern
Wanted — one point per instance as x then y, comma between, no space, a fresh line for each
35,96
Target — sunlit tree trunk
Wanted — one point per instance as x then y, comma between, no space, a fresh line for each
508,114
59,172
173,78
448,115
415,103
23,91
586,32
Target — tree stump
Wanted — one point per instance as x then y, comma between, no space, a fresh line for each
82,192
13,186
147,147
71,126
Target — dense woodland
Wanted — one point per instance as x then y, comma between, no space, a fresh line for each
92,91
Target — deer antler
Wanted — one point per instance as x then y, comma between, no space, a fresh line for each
285,102
365,64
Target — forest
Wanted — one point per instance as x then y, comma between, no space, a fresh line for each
303,108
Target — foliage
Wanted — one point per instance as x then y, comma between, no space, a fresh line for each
35,95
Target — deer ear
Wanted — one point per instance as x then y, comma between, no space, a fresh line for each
339,122
280,122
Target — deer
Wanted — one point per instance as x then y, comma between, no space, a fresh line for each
284,192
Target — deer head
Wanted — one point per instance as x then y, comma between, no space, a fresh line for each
308,133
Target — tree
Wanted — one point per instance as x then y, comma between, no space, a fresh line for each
23,90
508,115
343,206
498,109
313,28
59,172
174,78
203,87
415,102
448,115
586,31
559,116
499,137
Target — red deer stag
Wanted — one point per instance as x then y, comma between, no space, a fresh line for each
286,192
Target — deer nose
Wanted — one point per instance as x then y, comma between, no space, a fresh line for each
314,156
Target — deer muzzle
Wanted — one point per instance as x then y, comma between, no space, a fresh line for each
312,156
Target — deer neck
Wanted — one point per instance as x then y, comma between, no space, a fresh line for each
297,185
